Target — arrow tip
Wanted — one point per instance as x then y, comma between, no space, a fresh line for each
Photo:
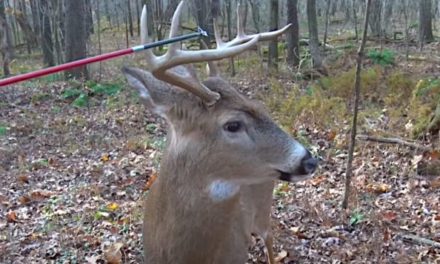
202,32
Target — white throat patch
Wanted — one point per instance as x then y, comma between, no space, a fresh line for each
220,190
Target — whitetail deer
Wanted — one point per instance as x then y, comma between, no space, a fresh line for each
224,153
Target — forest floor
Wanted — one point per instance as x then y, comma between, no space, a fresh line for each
77,159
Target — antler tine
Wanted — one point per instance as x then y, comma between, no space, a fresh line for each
191,56
218,38
273,34
144,32
211,67
175,22
241,35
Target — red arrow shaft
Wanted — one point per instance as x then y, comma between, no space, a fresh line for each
64,66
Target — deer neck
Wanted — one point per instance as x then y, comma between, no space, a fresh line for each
189,216
188,177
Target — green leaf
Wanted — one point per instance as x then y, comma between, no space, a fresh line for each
81,101
71,93
151,128
159,143
385,57
105,89
101,215
356,218
3,130
309,90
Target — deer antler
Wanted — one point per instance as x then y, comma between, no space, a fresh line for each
160,66
241,35
240,38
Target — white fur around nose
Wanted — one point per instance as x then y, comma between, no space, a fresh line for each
221,190
297,150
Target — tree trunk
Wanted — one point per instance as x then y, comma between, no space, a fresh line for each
98,18
387,18
215,9
6,48
357,88
116,13
13,24
355,21
327,10
375,22
405,18
158,18
46,34
138,16
89,18
255,6
130,18
76,36
215,13
293,55
273,45
150,17
201,7
425,22
229,18
107,12
244,5
35,19
26,28
57,25
313,34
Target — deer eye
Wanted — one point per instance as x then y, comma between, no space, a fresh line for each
233,126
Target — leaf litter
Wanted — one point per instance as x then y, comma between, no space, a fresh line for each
73,180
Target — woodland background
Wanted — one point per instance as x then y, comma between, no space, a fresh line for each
78,152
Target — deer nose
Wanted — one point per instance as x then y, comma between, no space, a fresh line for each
309,163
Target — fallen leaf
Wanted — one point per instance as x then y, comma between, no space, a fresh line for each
105,157
386,235
4,200
113,207
282,255
283,187
378,188
432,155
24,199
389,216
113,254
435,184
150,181
315,181
11,217
40,195
3,224
92,259
331,135
23,179
295,229
53,162
416,160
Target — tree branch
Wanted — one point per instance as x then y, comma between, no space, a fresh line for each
394,140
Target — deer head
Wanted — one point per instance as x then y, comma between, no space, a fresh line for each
212,125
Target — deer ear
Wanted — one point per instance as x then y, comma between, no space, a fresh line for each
155,94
